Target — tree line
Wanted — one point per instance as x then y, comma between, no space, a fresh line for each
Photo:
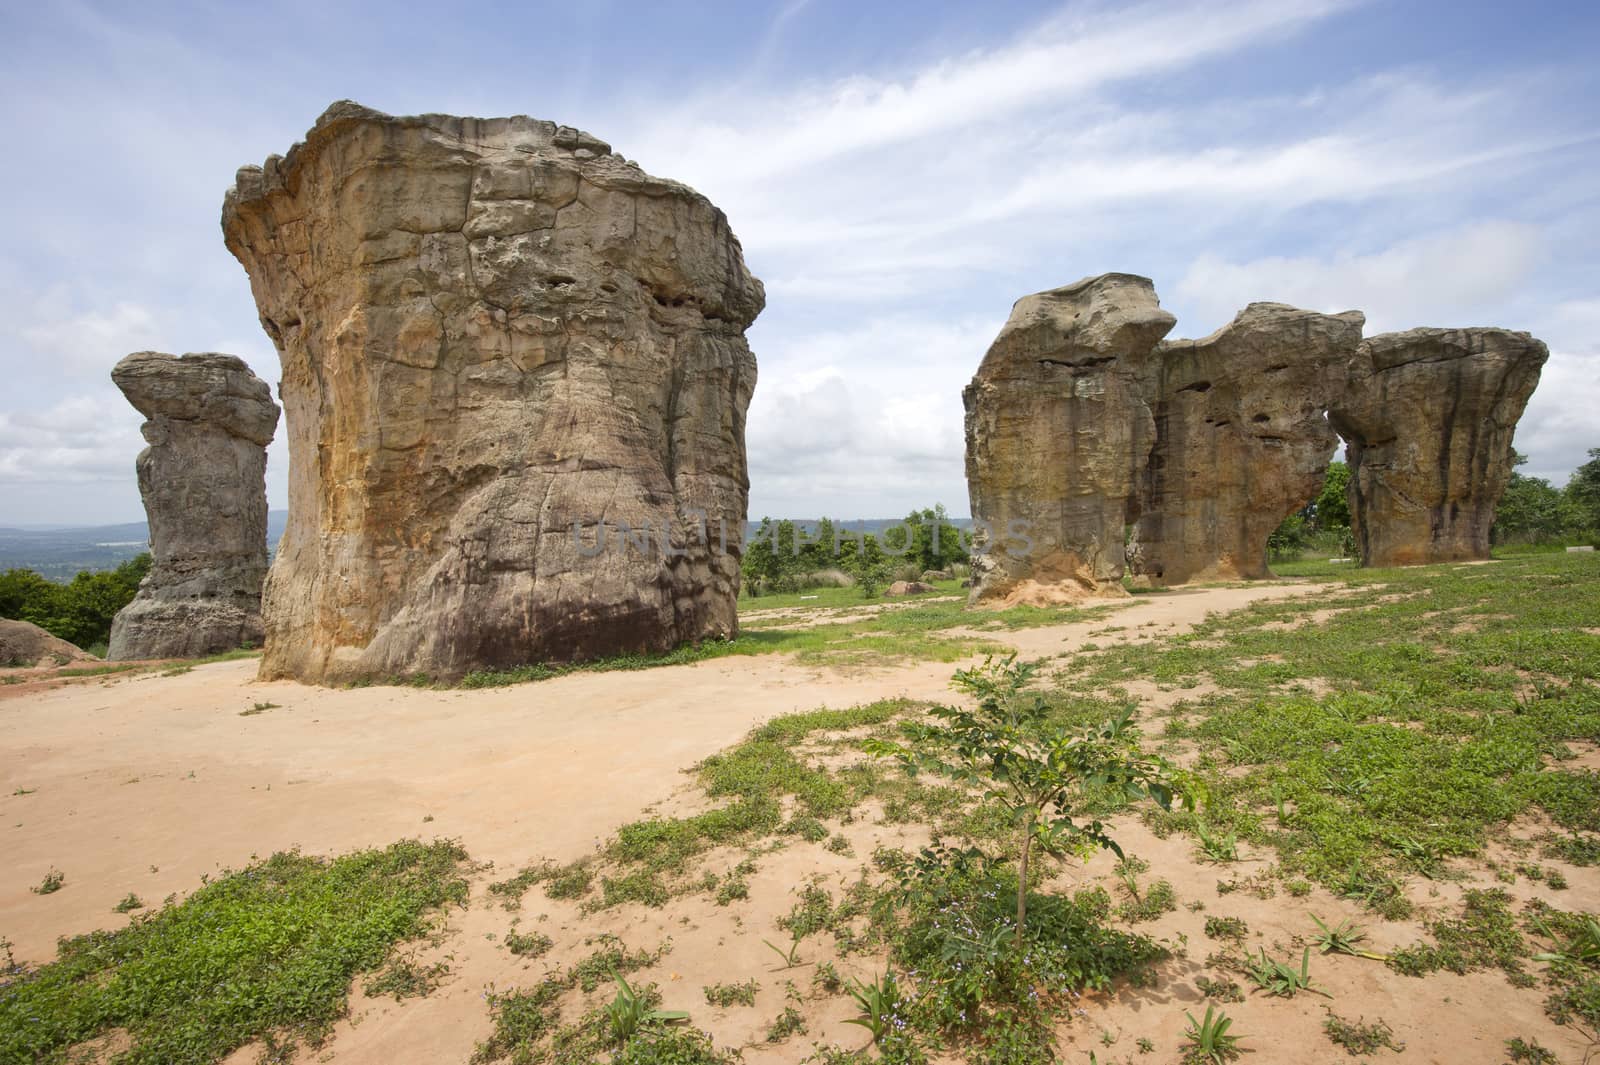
1532,511
79,611
785,556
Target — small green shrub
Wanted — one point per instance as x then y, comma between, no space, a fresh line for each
732,994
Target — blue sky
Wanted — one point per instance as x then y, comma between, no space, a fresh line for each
899,173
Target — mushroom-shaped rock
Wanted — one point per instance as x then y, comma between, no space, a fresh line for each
203,481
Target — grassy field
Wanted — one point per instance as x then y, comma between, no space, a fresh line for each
1417,749
1373,741
266,953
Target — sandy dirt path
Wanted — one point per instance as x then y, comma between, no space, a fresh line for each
145,783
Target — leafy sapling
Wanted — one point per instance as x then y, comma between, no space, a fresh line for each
1007,746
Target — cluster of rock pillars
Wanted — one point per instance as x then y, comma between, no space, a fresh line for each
500,339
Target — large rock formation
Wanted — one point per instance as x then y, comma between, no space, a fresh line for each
203,480
493,329
1058,433
1429,415
1241,440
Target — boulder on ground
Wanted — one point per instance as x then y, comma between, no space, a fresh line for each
899,588
24,644
932,575
515,379
203,481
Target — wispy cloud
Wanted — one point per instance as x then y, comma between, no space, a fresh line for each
1443,278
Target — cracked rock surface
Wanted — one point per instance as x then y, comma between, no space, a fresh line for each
1058,432
1429,416
492,330
203,482
1241,439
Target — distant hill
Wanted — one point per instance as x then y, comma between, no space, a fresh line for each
60,553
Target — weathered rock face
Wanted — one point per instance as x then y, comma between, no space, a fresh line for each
203,480
492,329
1241,439
1429,415
22,643
1058,433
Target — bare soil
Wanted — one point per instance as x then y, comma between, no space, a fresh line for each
144,783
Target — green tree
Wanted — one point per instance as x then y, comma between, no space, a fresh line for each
929,549
1038,772
1332,506
80,611
1289,538
1583,492
867,564
1531,510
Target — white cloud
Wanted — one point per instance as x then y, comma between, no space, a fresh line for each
88,341
1444,278
867,418
1559,426
1068,56
88,437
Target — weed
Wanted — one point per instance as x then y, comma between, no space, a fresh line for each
1159,898
1346,938
611,958
1523,1052
52,883
732,994
791,957
129,903
640,886
789,1022
1209,1041
1221,990
633,1010
570,883
1216,847
880,1004
1484,936
827,979
1358,1038
404,978
527,944
1232,929
1278,978
732,888
258,708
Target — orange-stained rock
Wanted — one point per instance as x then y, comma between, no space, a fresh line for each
490,330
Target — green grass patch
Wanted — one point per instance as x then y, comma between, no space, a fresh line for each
1431,708
266,951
